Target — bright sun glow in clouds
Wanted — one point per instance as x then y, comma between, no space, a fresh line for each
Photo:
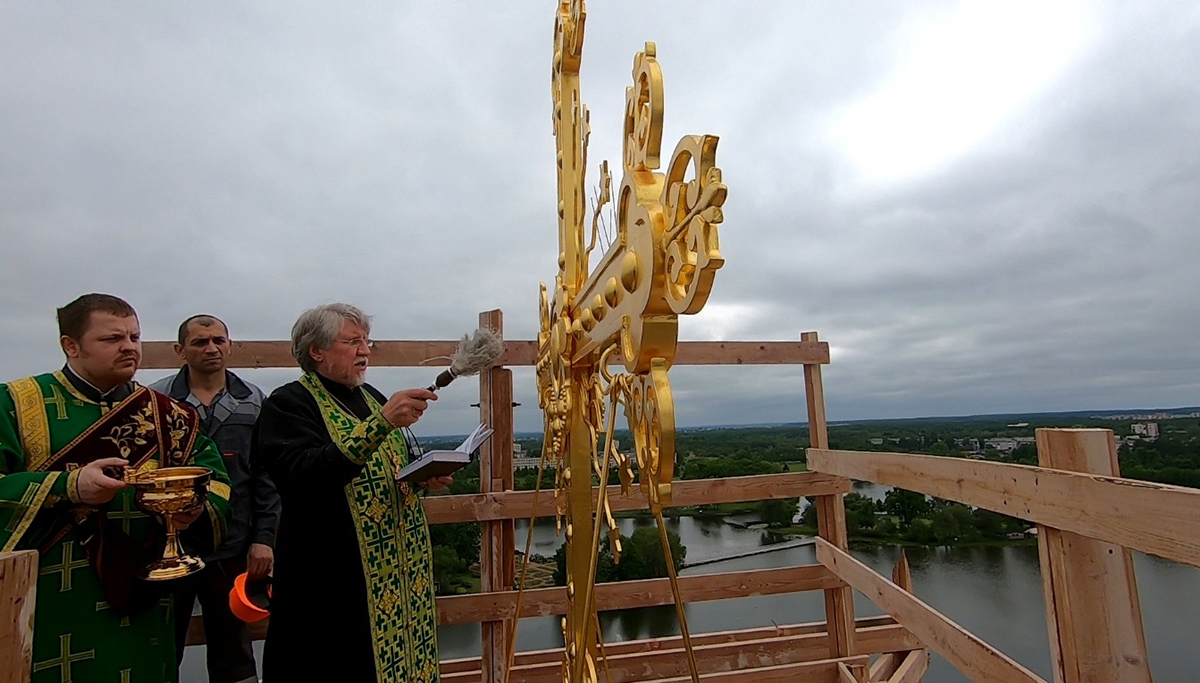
964,75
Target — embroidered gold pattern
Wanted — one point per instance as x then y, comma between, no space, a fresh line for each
31,420
132,433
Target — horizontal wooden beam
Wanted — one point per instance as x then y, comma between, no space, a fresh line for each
758,650
483,507
1158,519
970,655
543,602
159,355
881,632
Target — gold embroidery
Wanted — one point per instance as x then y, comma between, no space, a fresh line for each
58,401
66,566
376,510
66,384
65,658
388,601
31,512
132,433
218,489
87,433
32,424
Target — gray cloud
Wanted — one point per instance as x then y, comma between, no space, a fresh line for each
255,159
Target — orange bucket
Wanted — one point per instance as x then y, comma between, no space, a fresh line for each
251,602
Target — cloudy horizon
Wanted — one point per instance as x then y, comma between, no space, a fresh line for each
983,207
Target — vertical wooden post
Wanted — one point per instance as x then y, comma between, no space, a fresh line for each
496,474
831,517
1092,610
18,597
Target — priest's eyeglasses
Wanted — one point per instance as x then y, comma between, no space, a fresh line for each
357,342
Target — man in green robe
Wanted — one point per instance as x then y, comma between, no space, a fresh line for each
65,439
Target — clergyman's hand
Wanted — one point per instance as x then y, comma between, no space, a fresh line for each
435,483
96,487
405,407
259,561
184,520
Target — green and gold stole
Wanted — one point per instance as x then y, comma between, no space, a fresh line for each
389,519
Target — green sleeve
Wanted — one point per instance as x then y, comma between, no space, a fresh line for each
27,499
206,534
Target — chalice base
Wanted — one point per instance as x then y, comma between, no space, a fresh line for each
173,568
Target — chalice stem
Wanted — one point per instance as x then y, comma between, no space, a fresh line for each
173,551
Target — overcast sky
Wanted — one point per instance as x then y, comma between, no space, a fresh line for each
986,207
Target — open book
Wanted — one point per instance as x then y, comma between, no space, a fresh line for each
441,463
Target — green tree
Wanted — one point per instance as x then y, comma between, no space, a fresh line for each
907,505
779,512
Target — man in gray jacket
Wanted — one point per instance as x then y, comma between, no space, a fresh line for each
228,407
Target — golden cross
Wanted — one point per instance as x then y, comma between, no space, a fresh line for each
128,511
660,265
19,506
58,401
65,566
65,659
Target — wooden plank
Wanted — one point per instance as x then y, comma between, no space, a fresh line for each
970,655
1092,610
160,355
540,602
883,667
809,672
831,513
912,668
447,509
711,659
18,601
877,634
495,475
851,673
1158,519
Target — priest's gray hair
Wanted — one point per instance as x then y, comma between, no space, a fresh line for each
319,327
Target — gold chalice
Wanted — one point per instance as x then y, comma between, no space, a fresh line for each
169,492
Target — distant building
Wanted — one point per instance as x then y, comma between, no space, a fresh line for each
1148,430
522,461
1002,444
877,441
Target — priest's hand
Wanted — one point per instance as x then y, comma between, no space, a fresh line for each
259,561
96,487
434,483
184,520
405,407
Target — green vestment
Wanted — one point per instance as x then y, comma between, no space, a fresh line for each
78,636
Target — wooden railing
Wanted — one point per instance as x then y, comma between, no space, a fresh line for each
1089,520
780,653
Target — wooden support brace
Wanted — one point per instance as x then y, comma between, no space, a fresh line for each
831,515
496,563
1092,612
18,600
963,649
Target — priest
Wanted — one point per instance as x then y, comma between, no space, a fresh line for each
353,594
66,438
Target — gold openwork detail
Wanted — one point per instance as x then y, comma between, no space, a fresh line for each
660,264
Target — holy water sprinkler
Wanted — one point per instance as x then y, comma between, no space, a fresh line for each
475,353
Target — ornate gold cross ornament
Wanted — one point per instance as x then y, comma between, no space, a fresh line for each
660,265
